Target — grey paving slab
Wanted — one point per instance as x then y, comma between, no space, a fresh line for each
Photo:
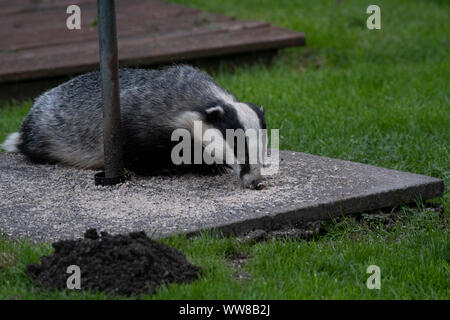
50,202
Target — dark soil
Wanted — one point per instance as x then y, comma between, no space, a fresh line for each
128,265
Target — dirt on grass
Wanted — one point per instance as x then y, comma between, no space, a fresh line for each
128,265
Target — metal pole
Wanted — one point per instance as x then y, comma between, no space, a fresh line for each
110,94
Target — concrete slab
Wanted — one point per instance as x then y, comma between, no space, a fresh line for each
48,202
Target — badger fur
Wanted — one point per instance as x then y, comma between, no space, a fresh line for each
65,124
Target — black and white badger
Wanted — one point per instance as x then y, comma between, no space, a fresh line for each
65,123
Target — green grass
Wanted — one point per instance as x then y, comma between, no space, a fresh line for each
379,97
413,255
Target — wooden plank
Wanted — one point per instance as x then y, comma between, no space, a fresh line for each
51,14
49,28
9,8
135,51
19,7
149,32
46,36
134,40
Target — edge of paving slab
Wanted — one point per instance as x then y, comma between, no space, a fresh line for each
430,188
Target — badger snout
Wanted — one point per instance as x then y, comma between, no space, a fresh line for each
257,184
253,182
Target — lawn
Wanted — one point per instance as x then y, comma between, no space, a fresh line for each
379,97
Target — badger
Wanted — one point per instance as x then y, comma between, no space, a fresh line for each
65,124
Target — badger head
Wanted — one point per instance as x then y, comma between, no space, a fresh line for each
242,127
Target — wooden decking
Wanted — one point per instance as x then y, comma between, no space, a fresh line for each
35,42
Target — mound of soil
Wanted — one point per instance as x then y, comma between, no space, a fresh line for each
120,264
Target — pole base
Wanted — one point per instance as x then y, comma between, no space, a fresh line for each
101,180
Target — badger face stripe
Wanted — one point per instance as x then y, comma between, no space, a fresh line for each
248,118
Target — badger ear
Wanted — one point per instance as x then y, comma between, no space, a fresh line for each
215,111
262,109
